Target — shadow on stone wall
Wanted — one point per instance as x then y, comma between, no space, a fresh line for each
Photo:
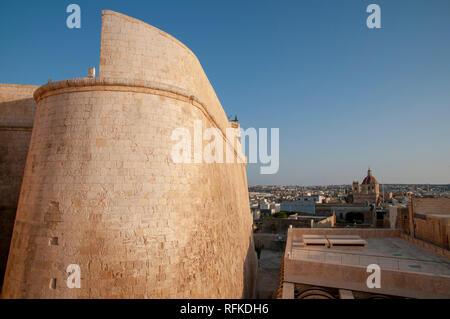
16,119
250,271
7,216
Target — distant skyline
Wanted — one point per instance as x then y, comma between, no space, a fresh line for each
350,184
344,97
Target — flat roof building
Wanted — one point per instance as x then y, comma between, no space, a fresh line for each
332,263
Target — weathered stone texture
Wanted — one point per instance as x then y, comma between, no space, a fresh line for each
17,108
100,188
135,50
432,220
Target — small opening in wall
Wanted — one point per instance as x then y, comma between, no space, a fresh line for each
52,283
53,241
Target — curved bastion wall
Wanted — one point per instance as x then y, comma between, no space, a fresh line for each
132,49
101,191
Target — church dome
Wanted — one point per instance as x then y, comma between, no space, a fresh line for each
369,179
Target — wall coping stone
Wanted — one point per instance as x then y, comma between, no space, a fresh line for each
102,84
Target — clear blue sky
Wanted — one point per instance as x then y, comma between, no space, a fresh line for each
344,97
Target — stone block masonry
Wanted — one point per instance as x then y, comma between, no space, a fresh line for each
17,108
100,189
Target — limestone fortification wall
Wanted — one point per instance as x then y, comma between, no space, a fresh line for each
132,49
432,222
17,108
439,206
100,188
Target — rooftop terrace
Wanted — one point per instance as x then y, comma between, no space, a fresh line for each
407,270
